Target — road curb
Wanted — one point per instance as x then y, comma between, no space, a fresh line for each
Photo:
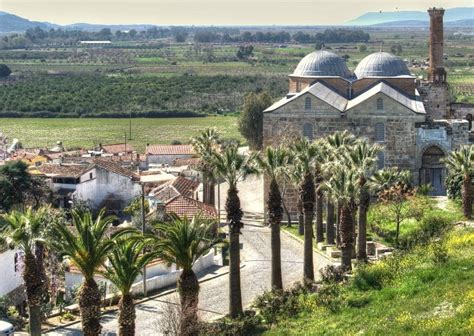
298,239
166,292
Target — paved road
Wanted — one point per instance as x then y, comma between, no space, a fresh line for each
255,274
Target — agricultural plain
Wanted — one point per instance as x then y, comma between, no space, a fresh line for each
84,133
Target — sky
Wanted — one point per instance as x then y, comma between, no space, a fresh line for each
212,12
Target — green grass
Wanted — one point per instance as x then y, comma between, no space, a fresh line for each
418,297
85,132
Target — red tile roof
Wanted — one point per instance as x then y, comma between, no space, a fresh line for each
115,168
170,150
64,170
185,206
178,186
118,148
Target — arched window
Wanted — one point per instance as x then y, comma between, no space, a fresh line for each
380,160
379,104
379,132
308,131
307,103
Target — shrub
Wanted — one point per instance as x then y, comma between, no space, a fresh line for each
273,304
440,251
373,276
68,316
332,274
330,297
246,325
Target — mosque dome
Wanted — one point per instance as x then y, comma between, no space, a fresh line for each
381,64
322,63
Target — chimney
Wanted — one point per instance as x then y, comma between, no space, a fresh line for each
436,72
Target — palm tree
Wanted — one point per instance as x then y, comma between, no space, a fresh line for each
343,187
231,166
294,173
125,263
318,164
304,156
182,242
204,144
363,157
87,246
27,231
272,164
388,177
336,145
460,161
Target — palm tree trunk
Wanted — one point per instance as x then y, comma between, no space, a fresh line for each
362,234
467,197
89,305
319,218
330,224
347,239
338,225
234,217
34,292
188,288
308,198
212,192
127,315
275,214
300,217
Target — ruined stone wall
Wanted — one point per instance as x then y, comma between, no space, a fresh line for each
436,100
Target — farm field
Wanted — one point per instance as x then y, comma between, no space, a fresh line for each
83,133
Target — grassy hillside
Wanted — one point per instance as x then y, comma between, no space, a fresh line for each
429,291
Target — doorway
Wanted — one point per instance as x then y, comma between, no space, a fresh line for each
432,170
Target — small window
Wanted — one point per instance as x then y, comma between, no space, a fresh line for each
379,132
379,104
308,131
380,160
307,103
90,176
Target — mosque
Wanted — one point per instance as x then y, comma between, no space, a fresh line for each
412,119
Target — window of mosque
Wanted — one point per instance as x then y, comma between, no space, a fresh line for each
307,103
308,131
379,104
380,160
379,132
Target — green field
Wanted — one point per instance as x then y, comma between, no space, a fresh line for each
83,133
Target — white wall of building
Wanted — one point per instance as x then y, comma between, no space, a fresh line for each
166,159
106,185
9,279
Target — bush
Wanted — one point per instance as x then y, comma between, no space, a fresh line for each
332,274
440,251
273,304
4,70
246,325
330,297
373,276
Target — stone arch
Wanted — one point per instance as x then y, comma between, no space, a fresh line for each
432,168
469,119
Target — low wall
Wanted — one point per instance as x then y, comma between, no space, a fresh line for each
168,279
158,275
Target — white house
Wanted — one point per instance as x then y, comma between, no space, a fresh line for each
100,183
11,266
167,154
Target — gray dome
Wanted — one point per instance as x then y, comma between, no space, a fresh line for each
381,64
322,63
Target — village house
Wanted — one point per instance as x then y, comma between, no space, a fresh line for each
100,183
167,154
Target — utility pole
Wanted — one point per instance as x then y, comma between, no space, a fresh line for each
125,138
143,231
130,126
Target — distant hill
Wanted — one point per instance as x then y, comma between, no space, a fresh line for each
10,23
377,18
14,23
419,23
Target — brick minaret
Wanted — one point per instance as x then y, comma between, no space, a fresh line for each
436,72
